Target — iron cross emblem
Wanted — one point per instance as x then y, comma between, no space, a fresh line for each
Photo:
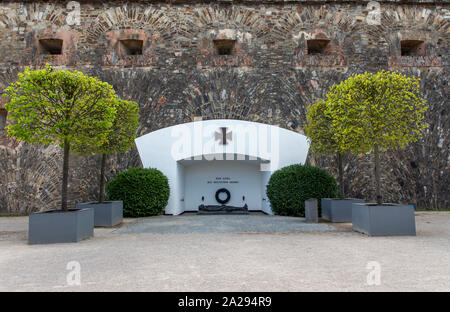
223,136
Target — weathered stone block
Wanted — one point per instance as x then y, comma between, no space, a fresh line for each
311,211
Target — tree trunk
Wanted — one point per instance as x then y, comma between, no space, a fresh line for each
377,174
341,176
101,197
65,175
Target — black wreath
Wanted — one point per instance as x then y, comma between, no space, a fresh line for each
223,201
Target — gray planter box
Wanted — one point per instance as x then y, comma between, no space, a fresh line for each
386,219
311,211
105,214
338,210
58,226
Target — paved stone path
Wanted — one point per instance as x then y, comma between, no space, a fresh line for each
141,255
193,223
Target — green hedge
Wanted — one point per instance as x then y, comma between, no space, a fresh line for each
144,192
289,187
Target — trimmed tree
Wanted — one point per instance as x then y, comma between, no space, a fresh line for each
375,113
321,136
121,137
58,106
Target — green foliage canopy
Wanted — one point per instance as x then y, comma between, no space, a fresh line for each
120,138
289,187
58,106
383,110
319,130
144,192
123,129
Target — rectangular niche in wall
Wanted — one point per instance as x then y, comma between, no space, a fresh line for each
50,46
224,46
412,48
131,46
317,46
3,115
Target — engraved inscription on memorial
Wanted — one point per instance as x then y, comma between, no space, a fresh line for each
222,180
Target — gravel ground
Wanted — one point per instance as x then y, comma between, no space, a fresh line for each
193,223
176,254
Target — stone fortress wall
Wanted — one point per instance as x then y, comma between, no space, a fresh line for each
262,61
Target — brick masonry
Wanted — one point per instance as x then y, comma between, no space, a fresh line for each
269,78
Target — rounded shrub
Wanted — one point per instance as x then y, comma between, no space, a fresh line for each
289,187
144,192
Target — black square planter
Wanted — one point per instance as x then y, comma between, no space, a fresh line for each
59,226
385,219
338,210
106,214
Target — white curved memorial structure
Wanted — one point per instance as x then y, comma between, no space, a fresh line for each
201,157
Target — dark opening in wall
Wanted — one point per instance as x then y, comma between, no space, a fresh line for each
3,115
412,47
317,46
224,46
51,46
131,46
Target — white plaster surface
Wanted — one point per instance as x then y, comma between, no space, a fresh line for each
185,153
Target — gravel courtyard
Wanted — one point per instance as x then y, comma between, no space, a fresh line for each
229,253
